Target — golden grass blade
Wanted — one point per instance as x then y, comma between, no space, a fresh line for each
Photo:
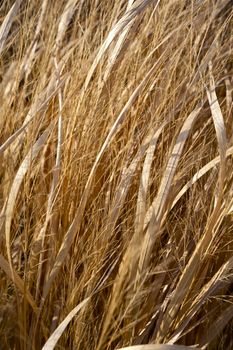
19,283
116,51
42,101
53,339
144,182
219,127
229,91
2,221
30,117
119,46
156,210
64,22
6,25
30,56
204,170
59,125
13,137
127,177
130,3
17,183
159,201
159,347
8,81
128,172
125,22
39,26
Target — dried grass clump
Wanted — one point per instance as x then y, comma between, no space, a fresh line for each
116,185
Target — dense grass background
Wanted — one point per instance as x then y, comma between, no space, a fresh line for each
116,191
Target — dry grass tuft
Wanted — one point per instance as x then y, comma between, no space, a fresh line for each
116,185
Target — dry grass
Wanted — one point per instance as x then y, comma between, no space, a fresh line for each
116,185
